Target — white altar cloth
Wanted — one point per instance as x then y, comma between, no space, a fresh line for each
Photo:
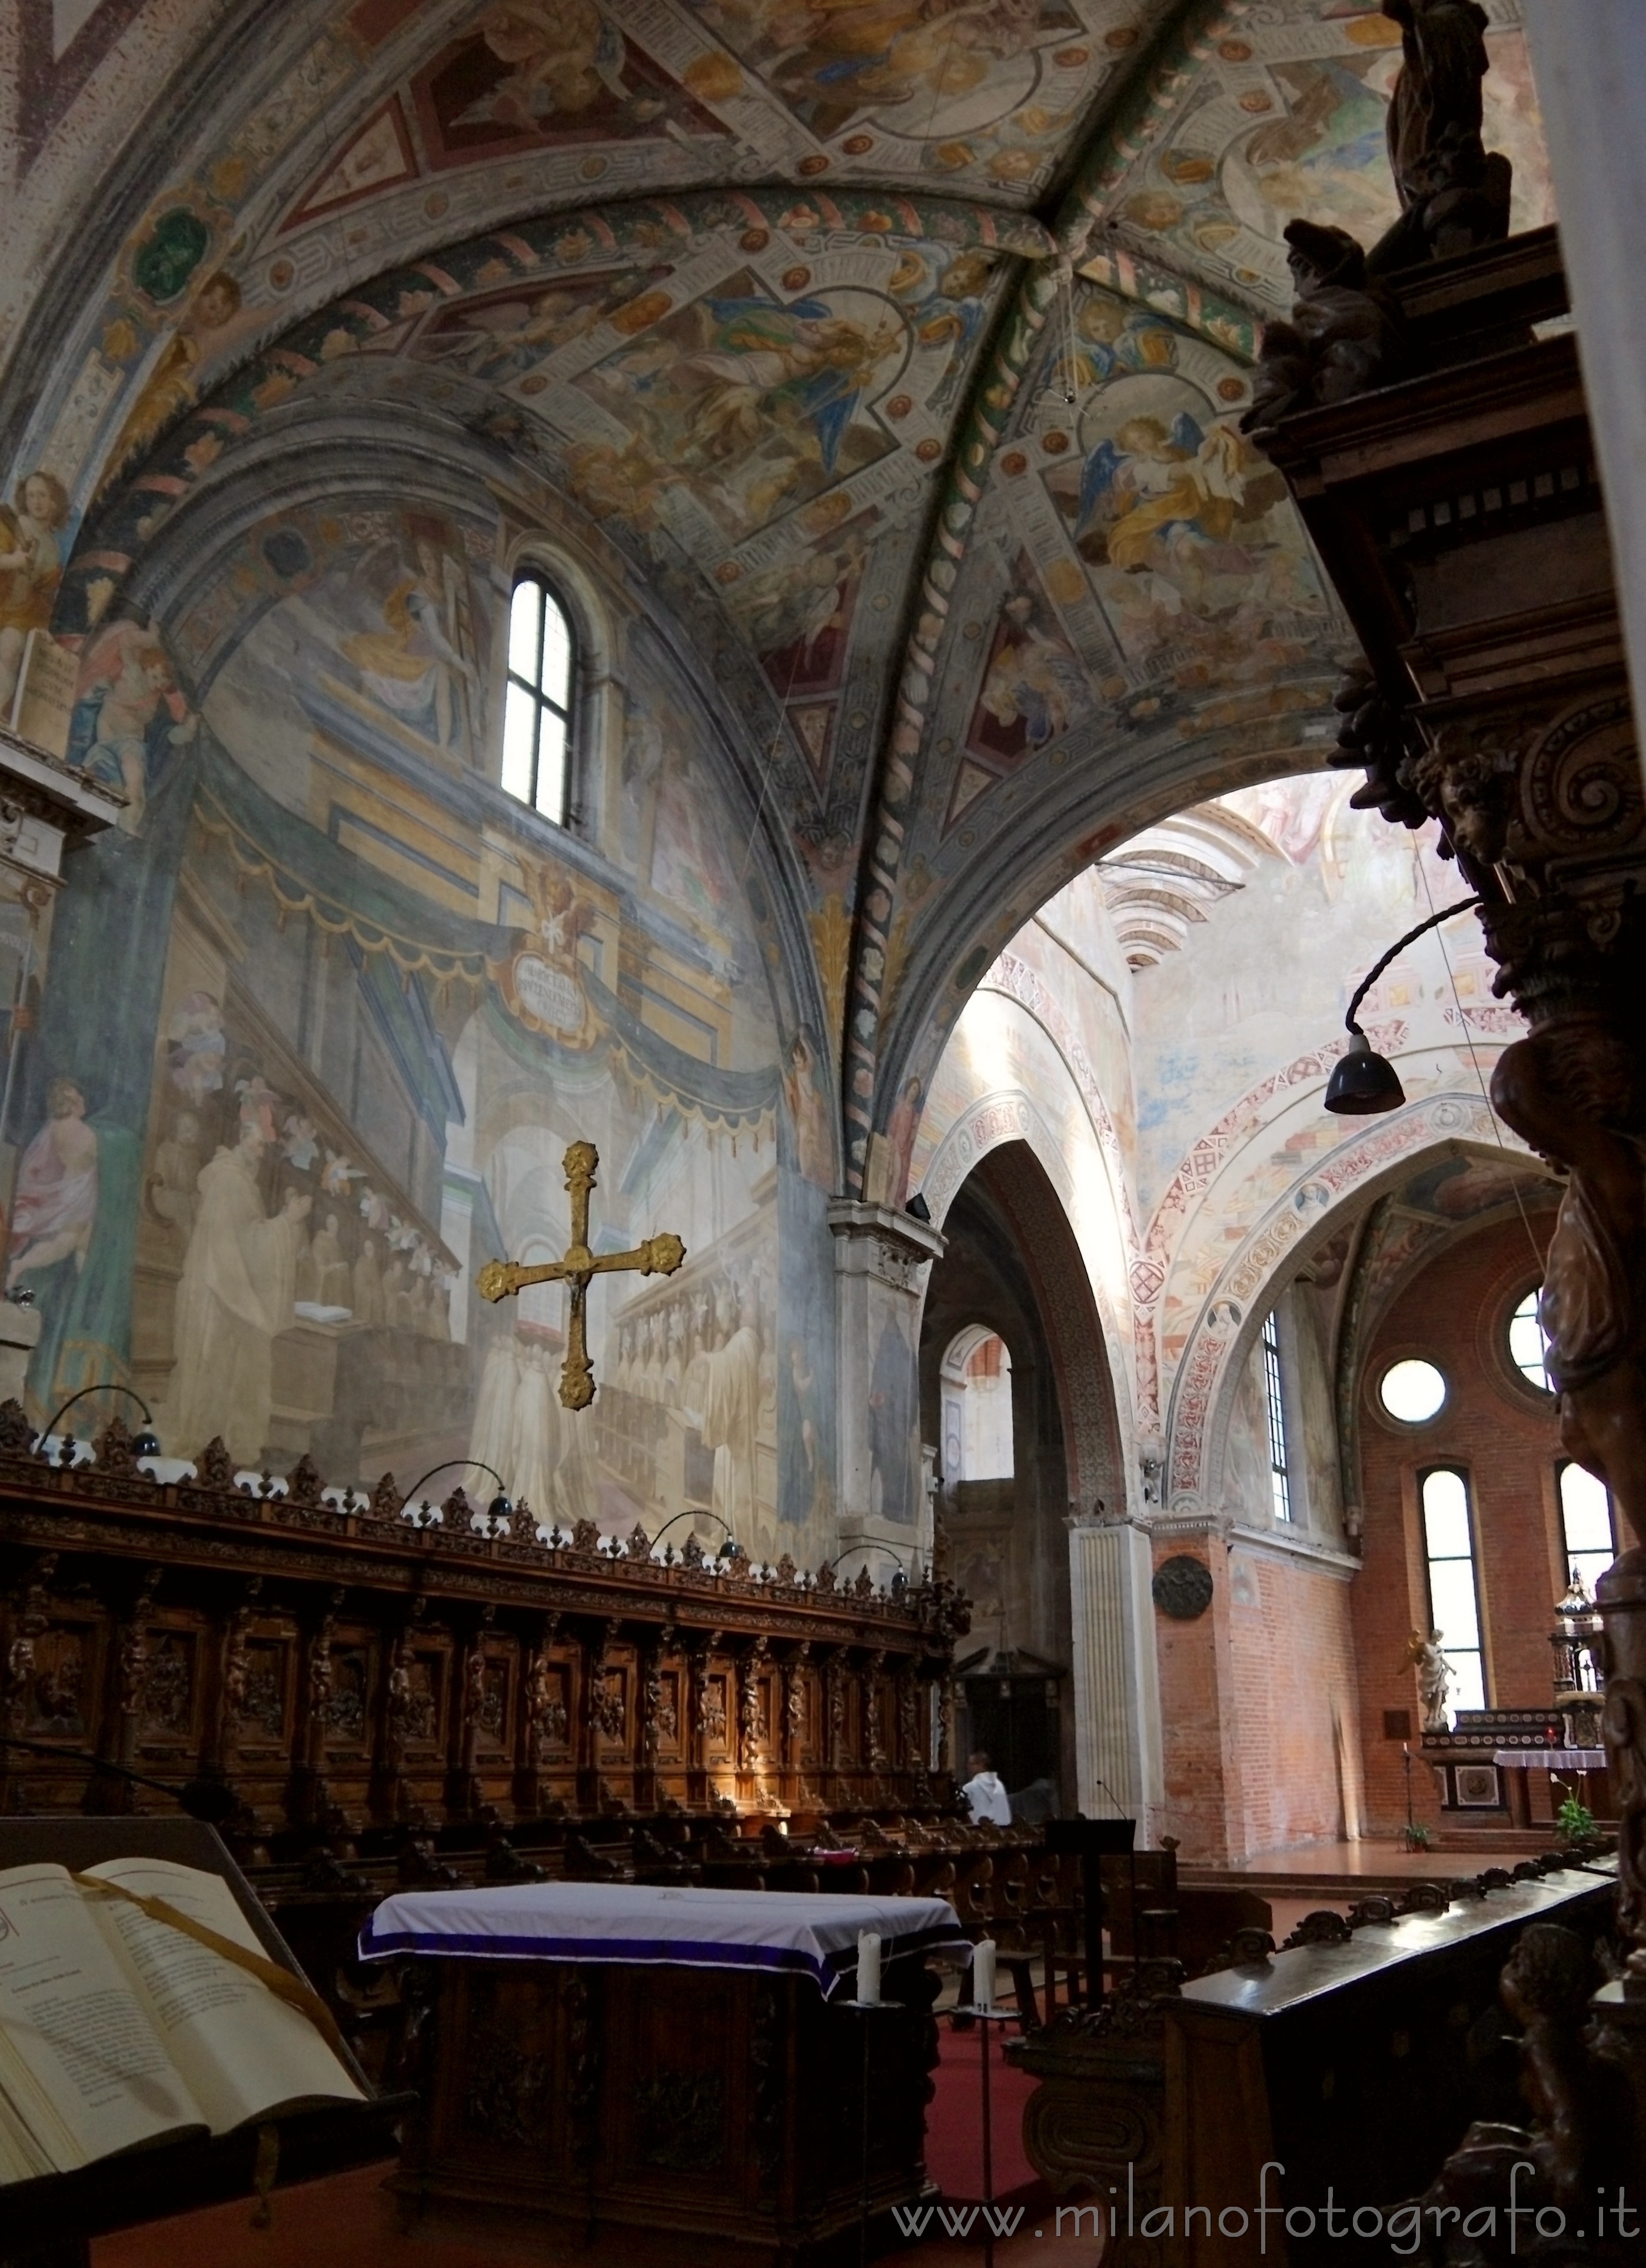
1567,1760
787,1931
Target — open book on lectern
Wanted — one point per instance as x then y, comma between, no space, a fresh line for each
118,2030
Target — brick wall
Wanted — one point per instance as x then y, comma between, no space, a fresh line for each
1259,1707
1503,1435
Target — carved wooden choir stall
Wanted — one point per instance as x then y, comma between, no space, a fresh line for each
363,1702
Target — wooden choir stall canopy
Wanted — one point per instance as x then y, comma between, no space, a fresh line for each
635,2072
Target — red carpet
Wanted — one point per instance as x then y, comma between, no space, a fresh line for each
954,2123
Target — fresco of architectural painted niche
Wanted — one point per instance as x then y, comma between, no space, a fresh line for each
1289,118
992,91
255,1179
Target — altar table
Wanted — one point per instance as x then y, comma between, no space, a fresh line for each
616,2073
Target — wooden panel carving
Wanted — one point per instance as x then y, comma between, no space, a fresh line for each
346,1675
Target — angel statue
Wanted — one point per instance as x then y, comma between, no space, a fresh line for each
1435,1678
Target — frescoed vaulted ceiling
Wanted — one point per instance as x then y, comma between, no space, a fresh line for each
896,348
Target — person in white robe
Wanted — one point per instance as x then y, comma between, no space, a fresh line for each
239,1284
491,1431
536,1449
727,1383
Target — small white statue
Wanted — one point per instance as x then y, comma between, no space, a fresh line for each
1435,1678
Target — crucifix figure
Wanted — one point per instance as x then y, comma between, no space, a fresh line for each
659,1255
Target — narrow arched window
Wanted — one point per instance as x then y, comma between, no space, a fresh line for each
1454,1591
537,706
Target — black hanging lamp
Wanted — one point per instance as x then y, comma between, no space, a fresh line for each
146,1443
1363,1083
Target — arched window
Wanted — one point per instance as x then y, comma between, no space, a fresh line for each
1454,1594
537,706
1589,1526
976,1396
1274,1398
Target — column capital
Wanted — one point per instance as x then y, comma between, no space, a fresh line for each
873,1240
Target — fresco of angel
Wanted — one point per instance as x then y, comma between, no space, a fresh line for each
563,55
420,664
1148,488
502,337
946,306
1113,340
833,60
796,613
755,398
31,567
1034,685
129,714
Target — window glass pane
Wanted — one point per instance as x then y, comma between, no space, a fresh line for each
1413,1391
1280,1457
524,621
1446,1516
1586,1507
551,766
519,715
1451,1595
557,662
1592,1565
1469,1691
1527,1344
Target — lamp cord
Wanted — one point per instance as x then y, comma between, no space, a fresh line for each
1463,906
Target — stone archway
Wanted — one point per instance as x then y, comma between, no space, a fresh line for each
1021,1547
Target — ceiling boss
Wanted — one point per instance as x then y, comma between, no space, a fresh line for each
658,1255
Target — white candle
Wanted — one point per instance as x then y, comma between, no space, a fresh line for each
868,1965
983,1974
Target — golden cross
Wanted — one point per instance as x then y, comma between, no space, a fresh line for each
659,1255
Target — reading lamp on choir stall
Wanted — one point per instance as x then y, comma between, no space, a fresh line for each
1363,1082
146,1444
730,1550
501,1506
209,1801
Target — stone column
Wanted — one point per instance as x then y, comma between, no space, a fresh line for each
1117,1683
881,1260
1590,59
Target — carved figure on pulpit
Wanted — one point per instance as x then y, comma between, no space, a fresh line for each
1550,2166
1573,1091
1435,1677
1453,194
1344,334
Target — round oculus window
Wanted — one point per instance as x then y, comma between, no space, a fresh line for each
1413,1391
1528,1343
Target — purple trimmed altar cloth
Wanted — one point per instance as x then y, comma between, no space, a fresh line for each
786,1932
